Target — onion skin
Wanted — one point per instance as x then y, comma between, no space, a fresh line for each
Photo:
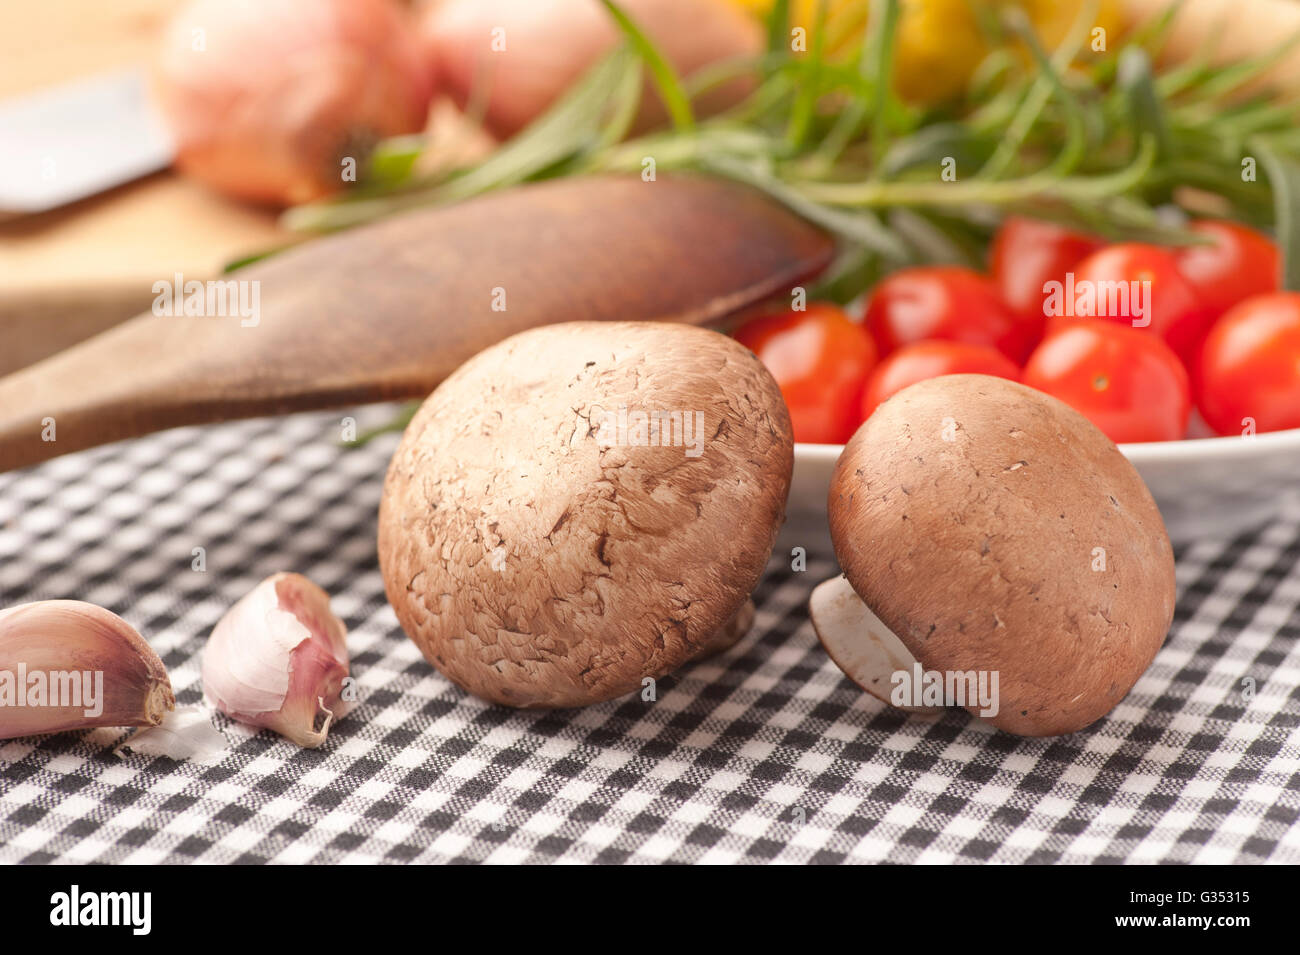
549,44
284,89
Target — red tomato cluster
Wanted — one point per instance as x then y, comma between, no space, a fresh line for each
1131,335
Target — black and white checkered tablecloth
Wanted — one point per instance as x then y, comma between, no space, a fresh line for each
763,754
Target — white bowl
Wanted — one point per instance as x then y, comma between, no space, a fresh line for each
1207,487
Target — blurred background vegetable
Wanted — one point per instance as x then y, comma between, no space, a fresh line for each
508,60
1086,133
1126,382
932,359
1235,263
1027,254
939,43
966,155
1122,333
1158,298
945,303
1248,379
267,99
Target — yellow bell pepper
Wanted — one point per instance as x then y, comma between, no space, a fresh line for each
939,43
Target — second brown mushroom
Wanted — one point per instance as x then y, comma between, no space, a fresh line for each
987,529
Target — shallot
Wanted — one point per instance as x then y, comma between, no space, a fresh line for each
281,101
520,55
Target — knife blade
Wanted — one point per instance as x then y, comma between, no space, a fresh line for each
67,142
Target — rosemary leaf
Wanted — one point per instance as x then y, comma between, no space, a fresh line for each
862,228
806,100
1135,80
665,77
392,161
778,27
879,64
1040,90
1284,177
398,423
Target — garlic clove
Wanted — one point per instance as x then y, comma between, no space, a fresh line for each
68,665
278,659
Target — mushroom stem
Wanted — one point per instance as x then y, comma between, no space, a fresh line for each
731,632
858,641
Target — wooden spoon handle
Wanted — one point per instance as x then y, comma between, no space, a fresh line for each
389,310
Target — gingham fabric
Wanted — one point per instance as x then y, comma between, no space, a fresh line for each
764,754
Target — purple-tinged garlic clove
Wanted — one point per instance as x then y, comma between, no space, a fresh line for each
278,659
69,665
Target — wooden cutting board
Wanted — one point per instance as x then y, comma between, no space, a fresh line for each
72,272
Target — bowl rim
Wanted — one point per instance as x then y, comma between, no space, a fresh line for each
1230,447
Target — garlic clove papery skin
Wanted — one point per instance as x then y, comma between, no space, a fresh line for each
186,733
278,659
82,656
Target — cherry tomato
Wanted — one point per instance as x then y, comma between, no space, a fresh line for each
1029,253
945,302
1250,366
913,363
1139,285
1128,383
820,358
1240,263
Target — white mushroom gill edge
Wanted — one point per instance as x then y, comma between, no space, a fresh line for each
858,641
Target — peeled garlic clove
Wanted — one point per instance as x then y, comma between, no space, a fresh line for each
68,665
278,659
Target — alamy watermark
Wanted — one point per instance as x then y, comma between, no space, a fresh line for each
964,688
216,298
71,689
1088,299
654,429
133,910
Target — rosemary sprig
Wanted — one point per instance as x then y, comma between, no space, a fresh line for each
1100,141
665,77
1284,174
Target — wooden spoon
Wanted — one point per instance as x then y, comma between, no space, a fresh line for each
389,310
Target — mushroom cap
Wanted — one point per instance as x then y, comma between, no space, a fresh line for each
992,527
540,555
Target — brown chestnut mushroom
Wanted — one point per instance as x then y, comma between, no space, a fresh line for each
584,506
995,531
